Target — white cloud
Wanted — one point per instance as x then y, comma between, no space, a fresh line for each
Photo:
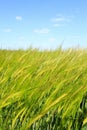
73,37
60,19
59,24
21,38
7,30
19,18
56,25
43,31
59,15
52,40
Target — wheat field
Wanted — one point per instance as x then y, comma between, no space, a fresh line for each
43,90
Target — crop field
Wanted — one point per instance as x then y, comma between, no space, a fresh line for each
43,90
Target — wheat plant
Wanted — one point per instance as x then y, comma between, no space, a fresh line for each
43,90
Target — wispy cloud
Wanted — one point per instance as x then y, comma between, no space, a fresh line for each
59,24
60,20
42,31
19,18
52,39
7,30
59,15
73,37
21,38
56,25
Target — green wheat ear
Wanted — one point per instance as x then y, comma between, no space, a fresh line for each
42,90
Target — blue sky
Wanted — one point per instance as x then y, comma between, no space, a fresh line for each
43,24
